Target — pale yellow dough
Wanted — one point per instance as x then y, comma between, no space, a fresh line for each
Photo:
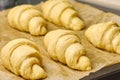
65,46
27,18
22,57
105,36
61,12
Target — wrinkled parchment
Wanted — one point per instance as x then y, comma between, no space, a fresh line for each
56,70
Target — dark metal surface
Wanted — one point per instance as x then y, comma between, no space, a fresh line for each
28,1
5,4
107,73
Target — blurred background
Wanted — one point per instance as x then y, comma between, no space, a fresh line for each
5,4
105,5
113,4
109,4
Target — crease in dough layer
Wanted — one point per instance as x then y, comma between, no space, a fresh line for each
61,12
27,18
65,46
22,57
105,36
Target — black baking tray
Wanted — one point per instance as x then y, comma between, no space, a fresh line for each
108,73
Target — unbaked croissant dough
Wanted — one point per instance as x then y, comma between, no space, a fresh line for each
22,57
61,12
105,36
64,46
27,18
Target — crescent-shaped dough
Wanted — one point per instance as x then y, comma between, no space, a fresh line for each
65,46
61,12
22,18
22,57
105,36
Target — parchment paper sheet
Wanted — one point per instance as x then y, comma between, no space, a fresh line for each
56,70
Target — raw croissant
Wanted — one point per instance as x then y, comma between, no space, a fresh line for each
27,18
61,12
22,57
105,36
64,46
